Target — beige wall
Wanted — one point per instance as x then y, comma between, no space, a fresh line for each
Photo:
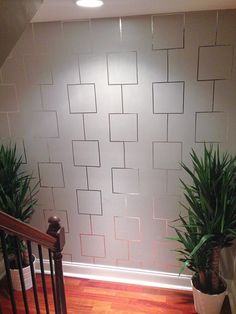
103,112
14,17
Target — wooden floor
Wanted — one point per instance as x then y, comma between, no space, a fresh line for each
90,296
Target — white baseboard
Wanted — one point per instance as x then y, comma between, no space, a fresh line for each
123,275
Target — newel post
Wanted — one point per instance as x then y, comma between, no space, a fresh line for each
58,232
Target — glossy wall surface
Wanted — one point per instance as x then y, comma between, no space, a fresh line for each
104,111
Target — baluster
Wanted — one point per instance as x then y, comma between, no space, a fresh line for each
43,279
36,301
58,232
56,305
19,263
8,274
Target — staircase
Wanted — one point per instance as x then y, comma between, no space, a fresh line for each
53,241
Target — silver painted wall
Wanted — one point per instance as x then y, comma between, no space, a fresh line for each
103,112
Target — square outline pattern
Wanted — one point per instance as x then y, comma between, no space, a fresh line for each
112,178
126,217
77,198
122,83
197,114
183,31
81,165
92,235
95,98
51,163
13,94
110,127
153,97
153,154
198,63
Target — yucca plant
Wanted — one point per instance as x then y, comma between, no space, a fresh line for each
210,223
17,193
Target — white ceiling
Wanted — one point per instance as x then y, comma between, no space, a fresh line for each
54,10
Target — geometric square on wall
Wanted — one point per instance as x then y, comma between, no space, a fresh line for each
54,96
4,127
89,202
37,69
125,181
166,207
211,127
8,101
82,98
92,245
168,31
215,62
122,68
76,36
127,228
159,229
166,261
168,97
86,153
46,124
167,155
62,214
51,174
123,127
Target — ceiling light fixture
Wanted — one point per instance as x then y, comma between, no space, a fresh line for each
90,3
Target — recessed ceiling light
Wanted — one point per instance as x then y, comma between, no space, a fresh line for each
90,3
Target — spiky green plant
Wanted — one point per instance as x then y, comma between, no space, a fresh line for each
17,193
210,224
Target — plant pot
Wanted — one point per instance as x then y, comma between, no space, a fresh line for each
15,277
208,303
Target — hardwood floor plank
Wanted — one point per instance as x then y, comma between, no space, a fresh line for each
94,297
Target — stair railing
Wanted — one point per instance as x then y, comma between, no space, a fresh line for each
53,241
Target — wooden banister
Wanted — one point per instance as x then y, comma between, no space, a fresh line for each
24,231
58,232
54,240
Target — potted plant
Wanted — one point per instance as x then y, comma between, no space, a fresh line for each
17,199
209,225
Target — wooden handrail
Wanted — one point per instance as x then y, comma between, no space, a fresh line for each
58,232
24,231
